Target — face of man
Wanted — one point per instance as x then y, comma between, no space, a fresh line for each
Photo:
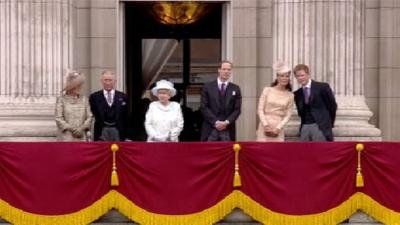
302,77
108,81
224,72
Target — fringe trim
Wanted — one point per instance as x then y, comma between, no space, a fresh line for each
113,199
358,201
378,211
331,217
205,217
82,217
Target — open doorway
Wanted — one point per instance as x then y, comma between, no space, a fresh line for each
187,55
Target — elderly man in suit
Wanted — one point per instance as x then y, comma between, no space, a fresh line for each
110,110
221,102
316,107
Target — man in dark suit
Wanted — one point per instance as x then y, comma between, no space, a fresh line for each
316,107
109,108
221,102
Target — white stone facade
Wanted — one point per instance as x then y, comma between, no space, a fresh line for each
35,49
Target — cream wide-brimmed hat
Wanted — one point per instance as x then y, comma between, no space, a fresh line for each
281,67
164,85
73,79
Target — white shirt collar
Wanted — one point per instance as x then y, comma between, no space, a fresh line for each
308,85
220,82
112,92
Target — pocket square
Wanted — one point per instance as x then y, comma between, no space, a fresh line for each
233,93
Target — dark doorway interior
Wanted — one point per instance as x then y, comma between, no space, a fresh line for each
184,67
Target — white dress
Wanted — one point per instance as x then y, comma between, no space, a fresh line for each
163,123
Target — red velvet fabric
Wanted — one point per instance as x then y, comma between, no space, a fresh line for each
54,178
183,178
298,178
380,162
175,179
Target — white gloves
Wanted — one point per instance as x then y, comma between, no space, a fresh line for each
162,138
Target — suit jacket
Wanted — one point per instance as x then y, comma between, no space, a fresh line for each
322,104
210,107
99,106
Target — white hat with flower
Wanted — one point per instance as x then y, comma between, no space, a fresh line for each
281,67
164,85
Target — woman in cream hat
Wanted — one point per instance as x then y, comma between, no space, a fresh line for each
275,105
73,115
164,121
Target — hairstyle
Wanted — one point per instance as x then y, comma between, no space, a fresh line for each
107,72
303,67
225,61
288,86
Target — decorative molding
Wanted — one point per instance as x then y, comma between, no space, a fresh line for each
35,43
35,51
326,35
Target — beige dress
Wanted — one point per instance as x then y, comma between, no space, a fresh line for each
72,112
274,109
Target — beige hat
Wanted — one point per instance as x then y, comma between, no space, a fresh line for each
166,85
281,67
73,79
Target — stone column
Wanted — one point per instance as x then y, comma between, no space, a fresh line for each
329,37
387,63
34,54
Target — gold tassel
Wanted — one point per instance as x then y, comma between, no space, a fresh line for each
359,176
236,178
114,178
359,180
114,174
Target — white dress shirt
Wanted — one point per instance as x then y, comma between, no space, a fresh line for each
308,85
220,83
105,92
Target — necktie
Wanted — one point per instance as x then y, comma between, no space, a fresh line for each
306,91
109,98
222,90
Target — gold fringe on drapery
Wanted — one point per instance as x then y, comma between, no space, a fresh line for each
113,199
82,217
268,217
378,211
206,217
334,216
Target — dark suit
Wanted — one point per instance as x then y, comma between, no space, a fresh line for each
216,107
116,113
322,107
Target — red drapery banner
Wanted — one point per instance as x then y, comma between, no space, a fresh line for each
192,183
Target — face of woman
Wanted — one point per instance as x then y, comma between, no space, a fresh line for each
163,95
75,91
283,79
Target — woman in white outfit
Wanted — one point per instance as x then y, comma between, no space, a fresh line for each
164,120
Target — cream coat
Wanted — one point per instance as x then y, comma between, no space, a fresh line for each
72,112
